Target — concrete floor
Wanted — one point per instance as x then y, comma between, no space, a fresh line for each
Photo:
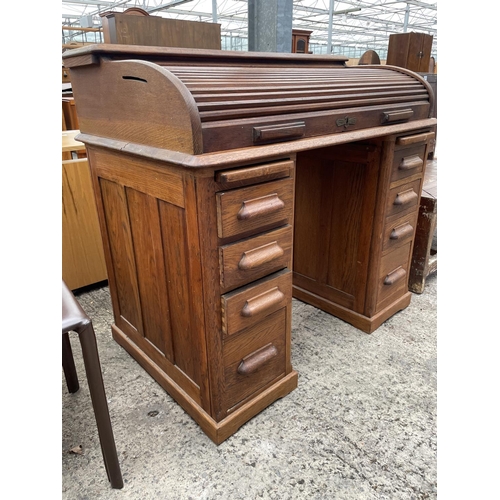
360,426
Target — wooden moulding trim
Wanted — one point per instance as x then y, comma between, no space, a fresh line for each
216,431
208,55
364,323
255,153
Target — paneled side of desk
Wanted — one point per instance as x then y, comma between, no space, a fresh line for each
199,271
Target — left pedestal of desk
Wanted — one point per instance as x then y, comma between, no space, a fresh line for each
83,261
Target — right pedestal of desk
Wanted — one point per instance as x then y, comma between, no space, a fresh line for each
356,209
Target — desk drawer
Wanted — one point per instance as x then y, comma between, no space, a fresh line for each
253,258
248,210
403,199
254,358
243,176
393,275
408,161
399,231
247,306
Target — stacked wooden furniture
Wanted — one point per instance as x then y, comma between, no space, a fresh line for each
226,182
410,50
83,261
424,258
300,41
135,26
369,57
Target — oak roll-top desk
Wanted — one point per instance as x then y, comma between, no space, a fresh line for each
228,182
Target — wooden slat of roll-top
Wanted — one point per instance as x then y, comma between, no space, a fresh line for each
219,94
241,92
327,98
297,108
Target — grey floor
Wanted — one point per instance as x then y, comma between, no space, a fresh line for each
361,425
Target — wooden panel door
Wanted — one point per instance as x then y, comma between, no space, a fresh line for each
410,50
334,210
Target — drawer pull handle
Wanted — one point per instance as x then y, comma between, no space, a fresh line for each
260,255
405,197
251,363
262,302
396,116
414,139
260,206
395,276
281,131
401,231
411,162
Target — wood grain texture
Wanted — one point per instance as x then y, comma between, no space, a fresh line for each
407,161
258,173
169,121
248,305
184,286
403,198
122,28
399,231
251,155
152,282
121,247
249,210
410,50
265,254
424,256
82,251
144,176
155,277
335,197
240,386
238,105
226,427
211,305
201,226
392,285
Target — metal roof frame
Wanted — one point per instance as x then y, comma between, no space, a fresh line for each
354,27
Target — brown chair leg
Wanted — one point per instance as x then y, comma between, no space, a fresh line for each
98,396
68,364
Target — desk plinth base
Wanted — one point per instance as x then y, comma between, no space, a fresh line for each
216,431
364,323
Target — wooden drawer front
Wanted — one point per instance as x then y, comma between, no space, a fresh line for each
408,161
421,138
254,358
254,258
404,198
248,210
246,306
258,173
399,231
393,275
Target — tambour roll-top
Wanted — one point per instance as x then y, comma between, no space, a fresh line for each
239,99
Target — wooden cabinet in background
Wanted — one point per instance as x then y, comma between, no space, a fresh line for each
69,116
300,41
127,28
410,50
83,261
